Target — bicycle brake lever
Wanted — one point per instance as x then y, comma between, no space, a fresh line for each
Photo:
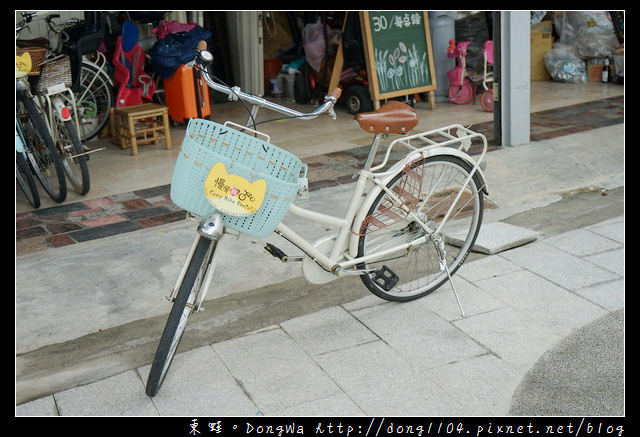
333,96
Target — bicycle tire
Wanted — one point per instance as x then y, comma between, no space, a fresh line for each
486,100
181,309
94,99
75,167
428,188
25,181
460,94
40,149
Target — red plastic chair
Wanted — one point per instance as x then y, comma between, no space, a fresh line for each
135,86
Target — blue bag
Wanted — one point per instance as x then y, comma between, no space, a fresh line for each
175,49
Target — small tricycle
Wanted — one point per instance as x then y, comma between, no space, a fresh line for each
463,84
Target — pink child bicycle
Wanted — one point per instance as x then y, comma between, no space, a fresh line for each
462,85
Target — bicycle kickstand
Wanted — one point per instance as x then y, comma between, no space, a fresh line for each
439,241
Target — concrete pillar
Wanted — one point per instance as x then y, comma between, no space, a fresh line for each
515,86
245,38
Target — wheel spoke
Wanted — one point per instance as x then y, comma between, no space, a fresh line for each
430,190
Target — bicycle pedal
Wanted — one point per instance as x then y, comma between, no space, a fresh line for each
273,250
385,278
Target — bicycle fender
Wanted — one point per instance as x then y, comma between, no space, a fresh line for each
61,110
450,151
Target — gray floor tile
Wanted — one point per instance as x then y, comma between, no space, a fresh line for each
418,334
274,371
483,384
612,260
337,405
45,406
381,382
582,242
497,237
119,395
558,266
608,295
199,384
510,335
486,267
613,229
539,299
473,300
327,330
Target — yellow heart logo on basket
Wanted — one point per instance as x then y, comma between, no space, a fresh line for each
23,64
231,194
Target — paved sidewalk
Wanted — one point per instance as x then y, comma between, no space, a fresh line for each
552,304
374,358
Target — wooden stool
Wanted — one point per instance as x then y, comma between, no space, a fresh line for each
133,126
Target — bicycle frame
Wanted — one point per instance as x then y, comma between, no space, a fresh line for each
59,102
343,254
56,106
340,258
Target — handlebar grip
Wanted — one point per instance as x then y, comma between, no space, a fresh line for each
202,45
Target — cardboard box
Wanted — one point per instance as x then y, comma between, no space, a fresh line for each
594,72
542,26
541,43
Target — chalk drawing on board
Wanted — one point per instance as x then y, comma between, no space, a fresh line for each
402,68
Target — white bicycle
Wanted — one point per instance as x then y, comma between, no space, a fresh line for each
398,230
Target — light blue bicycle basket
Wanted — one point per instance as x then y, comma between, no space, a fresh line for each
206,143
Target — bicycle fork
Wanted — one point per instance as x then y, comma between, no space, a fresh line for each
212,228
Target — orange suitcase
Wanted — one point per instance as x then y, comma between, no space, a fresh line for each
187,95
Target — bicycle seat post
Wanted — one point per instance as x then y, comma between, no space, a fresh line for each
372,152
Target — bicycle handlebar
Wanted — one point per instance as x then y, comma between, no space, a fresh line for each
204,58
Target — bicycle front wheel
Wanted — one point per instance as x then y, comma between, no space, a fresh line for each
94,99
183,305
40,151
74,163
25,181
428,188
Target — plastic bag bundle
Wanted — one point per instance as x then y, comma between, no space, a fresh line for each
564,65
590,33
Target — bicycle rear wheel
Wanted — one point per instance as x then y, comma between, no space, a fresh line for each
94,99
40,151
428,188
486,100
183,305
460,94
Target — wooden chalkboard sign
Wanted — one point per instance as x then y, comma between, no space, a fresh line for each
398,53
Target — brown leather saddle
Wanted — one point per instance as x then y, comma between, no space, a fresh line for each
392,118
